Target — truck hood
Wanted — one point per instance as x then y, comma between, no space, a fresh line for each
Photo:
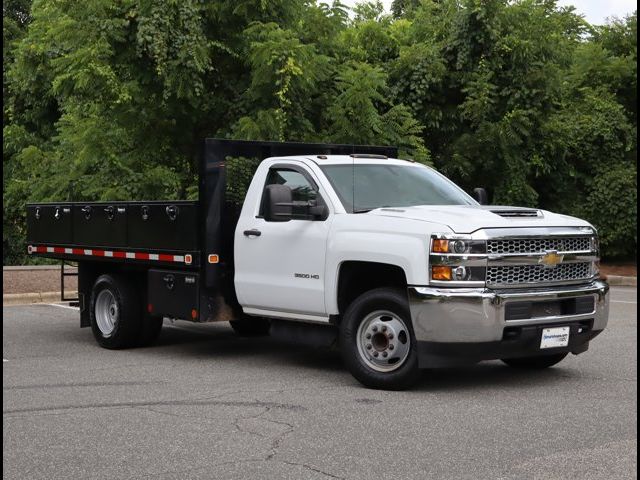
469,218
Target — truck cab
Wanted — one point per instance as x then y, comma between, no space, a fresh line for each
344,245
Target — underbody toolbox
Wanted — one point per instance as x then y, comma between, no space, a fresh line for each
173,293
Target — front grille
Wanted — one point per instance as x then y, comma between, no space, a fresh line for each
539,245
524,274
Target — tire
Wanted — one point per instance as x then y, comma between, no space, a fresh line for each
377,342
535,363
149,331
115,312
247,326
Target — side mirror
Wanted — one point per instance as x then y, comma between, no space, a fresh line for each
278,205
480,195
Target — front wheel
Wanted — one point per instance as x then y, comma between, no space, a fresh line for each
377,342
535,363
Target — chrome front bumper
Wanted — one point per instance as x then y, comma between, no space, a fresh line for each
473,315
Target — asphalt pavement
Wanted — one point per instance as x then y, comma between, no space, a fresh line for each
204,403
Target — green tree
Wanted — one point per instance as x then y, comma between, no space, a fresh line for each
111,100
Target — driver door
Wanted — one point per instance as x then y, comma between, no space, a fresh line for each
280,265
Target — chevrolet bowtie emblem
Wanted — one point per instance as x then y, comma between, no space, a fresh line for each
550,259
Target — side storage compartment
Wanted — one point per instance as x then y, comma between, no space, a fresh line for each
163,225
173,293
100,224
49,224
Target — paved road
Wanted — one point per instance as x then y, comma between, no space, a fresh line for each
206,404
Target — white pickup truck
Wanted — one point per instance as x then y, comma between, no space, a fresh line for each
387,257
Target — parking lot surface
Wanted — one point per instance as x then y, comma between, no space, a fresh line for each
204,403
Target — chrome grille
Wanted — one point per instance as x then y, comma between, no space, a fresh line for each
539,245
523,274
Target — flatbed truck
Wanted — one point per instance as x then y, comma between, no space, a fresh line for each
335,244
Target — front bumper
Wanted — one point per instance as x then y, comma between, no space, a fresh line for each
471,324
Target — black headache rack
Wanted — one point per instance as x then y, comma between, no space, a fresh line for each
190,243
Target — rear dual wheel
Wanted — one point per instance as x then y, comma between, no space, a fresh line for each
116,314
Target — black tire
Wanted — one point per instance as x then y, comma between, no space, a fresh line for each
367,304
535,363
149,331
124,298
248,326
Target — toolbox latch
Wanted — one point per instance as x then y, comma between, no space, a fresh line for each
87,212
110,211
172,212
169,281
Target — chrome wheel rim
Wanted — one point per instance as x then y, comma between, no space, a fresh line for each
383,341
107,313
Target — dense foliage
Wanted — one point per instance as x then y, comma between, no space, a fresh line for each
111,100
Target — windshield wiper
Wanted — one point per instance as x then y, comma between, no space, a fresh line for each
368,209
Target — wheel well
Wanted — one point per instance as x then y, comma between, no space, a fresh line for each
358,277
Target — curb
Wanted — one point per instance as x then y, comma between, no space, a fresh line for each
9,299
622,281
31,268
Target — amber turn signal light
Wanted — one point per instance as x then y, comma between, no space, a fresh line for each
440,246
441,273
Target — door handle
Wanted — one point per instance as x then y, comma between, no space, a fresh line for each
252,233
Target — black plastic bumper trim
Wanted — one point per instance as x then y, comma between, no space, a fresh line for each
518,342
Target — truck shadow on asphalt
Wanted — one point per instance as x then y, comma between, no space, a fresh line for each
220,343
492,375
189,342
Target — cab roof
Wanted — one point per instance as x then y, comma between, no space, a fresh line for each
358,159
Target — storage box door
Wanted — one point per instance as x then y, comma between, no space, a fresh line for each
173,294
163,226
100,224
49,224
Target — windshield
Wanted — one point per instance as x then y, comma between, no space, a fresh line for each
377,186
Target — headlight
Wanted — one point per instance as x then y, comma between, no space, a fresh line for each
457,260
460,274
458,246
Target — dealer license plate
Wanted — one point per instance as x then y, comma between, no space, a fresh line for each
554,337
